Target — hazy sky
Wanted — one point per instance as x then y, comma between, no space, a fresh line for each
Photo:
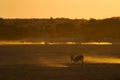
59,8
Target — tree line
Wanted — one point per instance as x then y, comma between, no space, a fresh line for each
107,29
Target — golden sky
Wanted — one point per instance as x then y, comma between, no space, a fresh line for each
59,8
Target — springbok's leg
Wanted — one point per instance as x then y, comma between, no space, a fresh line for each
82,61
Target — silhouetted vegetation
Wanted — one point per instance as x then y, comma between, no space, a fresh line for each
107,29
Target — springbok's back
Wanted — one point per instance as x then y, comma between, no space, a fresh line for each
77,58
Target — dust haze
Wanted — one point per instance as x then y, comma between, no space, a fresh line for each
57,55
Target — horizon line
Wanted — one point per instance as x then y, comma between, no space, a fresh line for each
56,18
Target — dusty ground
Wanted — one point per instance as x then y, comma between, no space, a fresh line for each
73,72
53,62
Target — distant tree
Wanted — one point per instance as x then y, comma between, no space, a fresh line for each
1,19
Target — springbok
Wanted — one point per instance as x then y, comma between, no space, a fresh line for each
78,58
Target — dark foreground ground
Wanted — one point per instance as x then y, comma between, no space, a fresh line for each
72,72
53,62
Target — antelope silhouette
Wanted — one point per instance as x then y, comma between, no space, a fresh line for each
78,58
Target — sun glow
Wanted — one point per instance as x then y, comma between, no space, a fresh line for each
96,43
70,43
102,60
19,43
52,43
52,63
82,43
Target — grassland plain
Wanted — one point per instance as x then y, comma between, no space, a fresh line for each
52,62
